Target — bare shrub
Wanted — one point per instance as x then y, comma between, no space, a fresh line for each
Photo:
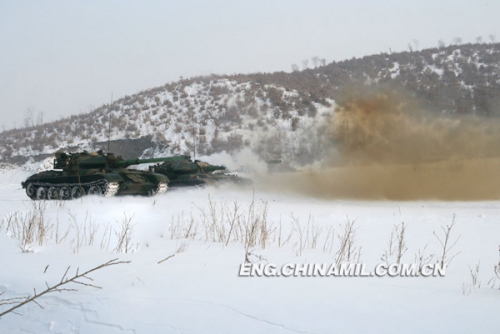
496,270
76,279
179,229
307,236
181,249
84,234
225,222
347,250
422,259
61,237
329,239
475,282
106,237
29,226
281,240
233,215
124,236
447,244
396,246
255,225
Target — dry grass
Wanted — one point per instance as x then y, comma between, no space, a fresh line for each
84,233
124,236
475,284
226,222
32,227
347,251
29,226
447,244
396,246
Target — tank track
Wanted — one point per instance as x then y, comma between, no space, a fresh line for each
100,187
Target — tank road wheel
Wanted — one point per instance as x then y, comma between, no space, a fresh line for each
52,193
31,191
41,193
95,190
77,192
64,193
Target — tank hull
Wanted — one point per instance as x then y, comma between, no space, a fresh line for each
78,174
202,180
184,172
54,185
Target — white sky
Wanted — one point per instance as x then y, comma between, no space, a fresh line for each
66,57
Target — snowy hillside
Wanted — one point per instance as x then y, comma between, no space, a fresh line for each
275,115
207,116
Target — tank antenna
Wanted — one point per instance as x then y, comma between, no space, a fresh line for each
109,120
194,142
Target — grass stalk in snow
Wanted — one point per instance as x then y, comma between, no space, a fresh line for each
447,244
124,236
29,226
84,234
347,251
422,259
396,246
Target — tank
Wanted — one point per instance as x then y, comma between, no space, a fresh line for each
184,172
79,174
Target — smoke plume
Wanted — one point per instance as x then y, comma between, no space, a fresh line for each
385,147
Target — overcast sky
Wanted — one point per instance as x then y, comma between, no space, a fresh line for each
67,57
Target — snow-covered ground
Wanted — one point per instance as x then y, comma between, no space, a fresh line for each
198,289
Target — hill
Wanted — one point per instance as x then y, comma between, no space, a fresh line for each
276,115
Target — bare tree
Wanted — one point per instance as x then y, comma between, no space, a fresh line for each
457,40
305,64
410,47
39,118
323,61
479,40
295,68
315,61
441,44
29,118
492,38
416,43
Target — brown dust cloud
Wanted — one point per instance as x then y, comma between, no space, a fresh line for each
384,146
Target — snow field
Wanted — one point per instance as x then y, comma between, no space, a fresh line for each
196,289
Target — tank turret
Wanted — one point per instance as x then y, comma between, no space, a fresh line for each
182,172
78,174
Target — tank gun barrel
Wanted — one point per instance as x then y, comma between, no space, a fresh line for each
213,168
130,162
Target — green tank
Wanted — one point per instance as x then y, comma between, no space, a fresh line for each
79,174
184,172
